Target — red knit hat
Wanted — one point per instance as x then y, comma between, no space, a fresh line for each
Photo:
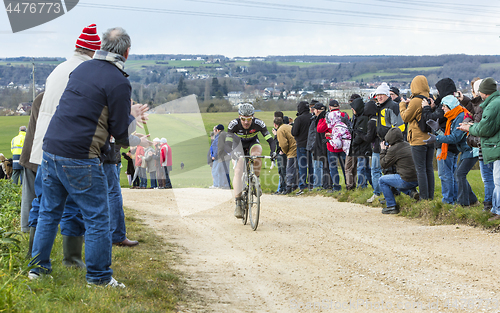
89,38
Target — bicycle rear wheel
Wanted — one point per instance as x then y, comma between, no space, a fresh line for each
253,201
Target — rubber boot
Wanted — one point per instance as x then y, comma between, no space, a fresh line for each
30,243
72,251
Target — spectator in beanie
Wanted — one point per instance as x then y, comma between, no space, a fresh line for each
489,131
394,92
455,114
475,141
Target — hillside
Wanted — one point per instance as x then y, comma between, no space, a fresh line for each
157,79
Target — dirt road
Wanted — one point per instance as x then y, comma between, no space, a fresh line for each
314,254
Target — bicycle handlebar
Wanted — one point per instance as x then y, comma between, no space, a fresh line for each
255,157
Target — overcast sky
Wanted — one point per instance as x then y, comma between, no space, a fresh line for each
272,27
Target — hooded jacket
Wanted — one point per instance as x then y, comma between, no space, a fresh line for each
412,112
359,147
287,141
300,128
371,129
398,154
320,149
489,128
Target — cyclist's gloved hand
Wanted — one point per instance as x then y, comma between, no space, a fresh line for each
273,155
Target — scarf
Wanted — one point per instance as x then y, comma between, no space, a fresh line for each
451,115
116,59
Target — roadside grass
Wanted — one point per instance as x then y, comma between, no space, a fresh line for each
146,270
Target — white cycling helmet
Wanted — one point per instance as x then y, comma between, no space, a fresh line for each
246,109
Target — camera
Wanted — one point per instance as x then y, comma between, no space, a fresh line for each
456,94
429,101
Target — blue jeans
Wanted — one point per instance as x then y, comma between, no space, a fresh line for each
72,220
215,173
335,159
394,180
318,173
291,174
304,163
446,173
496,191
143,178
86,182
376,172
115,203
487,176
465,194
364,172
152,176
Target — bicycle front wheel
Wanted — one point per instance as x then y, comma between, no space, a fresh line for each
253,202
244,206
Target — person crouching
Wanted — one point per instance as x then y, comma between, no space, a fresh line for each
395,151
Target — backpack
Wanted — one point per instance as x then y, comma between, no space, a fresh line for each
387,119
422,122
340,136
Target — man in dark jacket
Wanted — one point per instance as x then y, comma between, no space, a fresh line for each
300,130
94,106
360,148
395,151
319,149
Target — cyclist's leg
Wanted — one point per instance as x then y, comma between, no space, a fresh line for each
256,149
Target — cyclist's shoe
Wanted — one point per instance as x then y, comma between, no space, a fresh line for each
238,211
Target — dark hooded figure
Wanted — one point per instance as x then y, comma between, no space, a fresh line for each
371,138
300,132
398,153
360,148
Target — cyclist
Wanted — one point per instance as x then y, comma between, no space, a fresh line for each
242,135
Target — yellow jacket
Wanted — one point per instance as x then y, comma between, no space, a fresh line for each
16,145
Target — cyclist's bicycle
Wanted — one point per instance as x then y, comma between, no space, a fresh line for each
250,195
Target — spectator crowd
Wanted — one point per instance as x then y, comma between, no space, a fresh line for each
390,141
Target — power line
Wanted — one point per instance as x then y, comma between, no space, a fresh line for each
279,19
296,8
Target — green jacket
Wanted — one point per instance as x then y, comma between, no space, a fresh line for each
489,128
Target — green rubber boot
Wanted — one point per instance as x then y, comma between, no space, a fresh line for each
30,243
72,251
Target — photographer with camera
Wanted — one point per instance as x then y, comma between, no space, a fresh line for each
395,151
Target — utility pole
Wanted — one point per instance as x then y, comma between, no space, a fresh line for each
33,76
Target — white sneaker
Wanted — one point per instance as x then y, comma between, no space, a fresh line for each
114,283
373,198
33,275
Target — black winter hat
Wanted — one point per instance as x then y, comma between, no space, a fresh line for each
334,103
395,90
